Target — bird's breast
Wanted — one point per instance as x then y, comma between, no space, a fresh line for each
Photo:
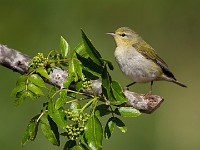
134,65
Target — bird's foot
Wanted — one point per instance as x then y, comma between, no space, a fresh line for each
148,94
125,88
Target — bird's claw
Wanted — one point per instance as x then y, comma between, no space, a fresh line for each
148,94
125,88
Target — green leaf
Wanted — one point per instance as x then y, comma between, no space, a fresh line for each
93,53
71,66
94,133
18,88
22,79
69,145
71,94
79,86
25,137
84,146
90,75
84,142
33,127
52,91
68,82
102,110
33,88
90,66
79,72
20,97
109,128
108,63
31,95
73,73
80,49
106,82
127,112
37,80
51,107
106,86
20,85
64,47
120,124
59,118
118,93
42,72
78,147
31,130
50,130
62,99
72,69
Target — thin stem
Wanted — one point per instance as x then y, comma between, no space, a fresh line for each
71,101
55,93
80,99
41,115
87,105
50,53
95,105
80,93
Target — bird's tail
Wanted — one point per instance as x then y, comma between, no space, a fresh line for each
178,83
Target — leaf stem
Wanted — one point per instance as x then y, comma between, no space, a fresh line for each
55,93
76,92
41,115
87,105
51,52
95,105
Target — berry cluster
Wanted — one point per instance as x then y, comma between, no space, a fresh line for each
76,128
87,85
38,61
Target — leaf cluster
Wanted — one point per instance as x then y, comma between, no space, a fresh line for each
68,111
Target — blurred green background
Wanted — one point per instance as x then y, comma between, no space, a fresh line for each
172,27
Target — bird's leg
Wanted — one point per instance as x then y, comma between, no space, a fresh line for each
151,87
127,86
130,84
150,92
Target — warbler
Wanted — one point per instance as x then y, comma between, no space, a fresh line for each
138,60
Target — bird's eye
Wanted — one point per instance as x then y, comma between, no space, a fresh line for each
123,34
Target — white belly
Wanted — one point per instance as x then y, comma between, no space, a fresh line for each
136,66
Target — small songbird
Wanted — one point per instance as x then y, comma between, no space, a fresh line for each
138,60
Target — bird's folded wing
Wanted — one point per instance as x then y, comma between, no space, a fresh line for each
148,52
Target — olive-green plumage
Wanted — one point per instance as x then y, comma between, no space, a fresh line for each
138,60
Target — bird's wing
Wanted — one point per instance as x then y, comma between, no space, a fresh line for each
151,54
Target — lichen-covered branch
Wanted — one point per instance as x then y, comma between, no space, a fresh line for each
13,59
18,62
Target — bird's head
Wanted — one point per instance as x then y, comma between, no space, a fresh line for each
124,36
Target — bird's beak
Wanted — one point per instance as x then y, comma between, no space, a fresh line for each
113,34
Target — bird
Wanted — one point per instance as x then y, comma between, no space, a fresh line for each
138,60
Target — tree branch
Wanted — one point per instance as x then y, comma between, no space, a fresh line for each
18,62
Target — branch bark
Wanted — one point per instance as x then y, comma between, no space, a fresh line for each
18,62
